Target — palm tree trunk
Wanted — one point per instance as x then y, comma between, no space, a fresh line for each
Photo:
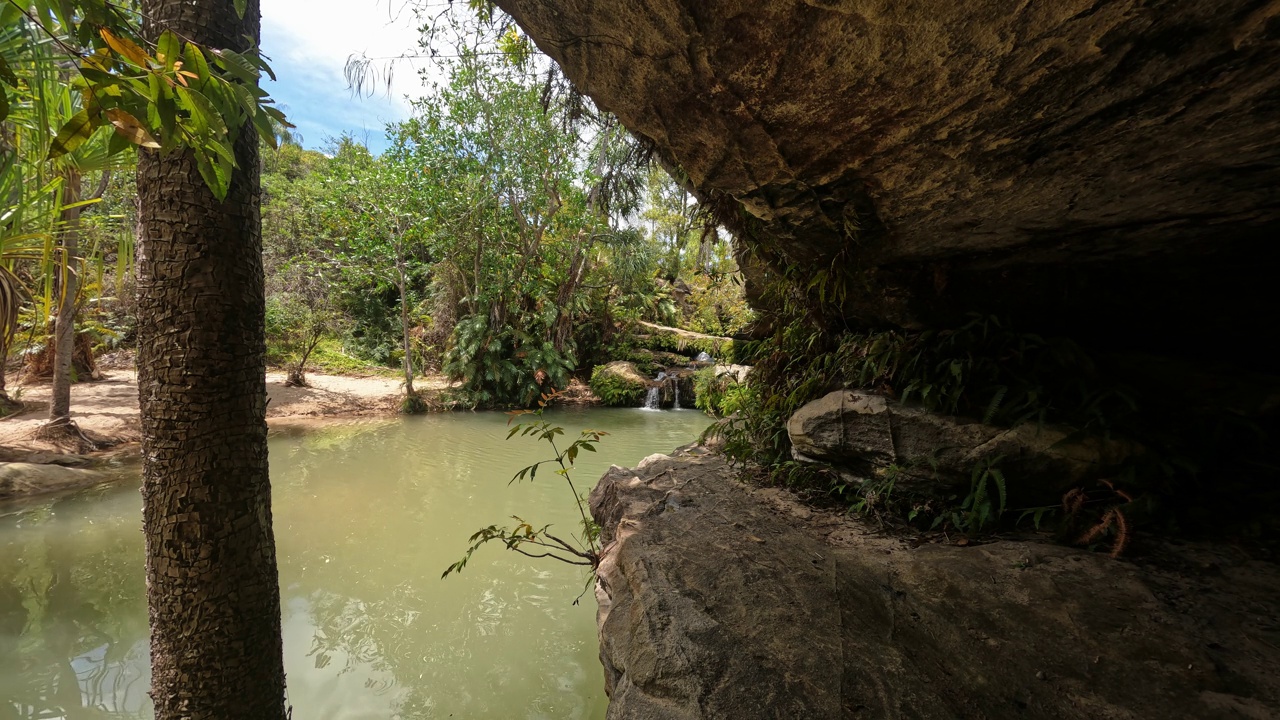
212,586
64,324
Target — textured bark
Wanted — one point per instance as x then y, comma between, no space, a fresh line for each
213,589
1105,168
407,342
64,325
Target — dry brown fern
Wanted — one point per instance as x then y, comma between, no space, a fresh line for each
1113,518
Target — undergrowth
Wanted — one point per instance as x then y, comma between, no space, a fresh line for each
994,373
719,394
616,390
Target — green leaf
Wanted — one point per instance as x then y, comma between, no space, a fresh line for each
279,116
216,172
72,135
194,61
236,64
204,116
241,5
168,49
116,144
6,73
265,130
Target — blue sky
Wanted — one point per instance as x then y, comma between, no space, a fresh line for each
309,42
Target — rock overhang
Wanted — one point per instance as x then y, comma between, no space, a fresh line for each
1108,169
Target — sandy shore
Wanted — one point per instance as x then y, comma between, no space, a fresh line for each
107,409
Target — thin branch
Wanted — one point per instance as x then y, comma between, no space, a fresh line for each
552,555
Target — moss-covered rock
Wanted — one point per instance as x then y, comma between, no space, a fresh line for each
650,362
619,384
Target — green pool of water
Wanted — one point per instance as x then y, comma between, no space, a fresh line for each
367,517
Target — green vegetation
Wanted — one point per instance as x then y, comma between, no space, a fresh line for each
296,325
982,369
616,387
991,372
524,538
492,241
512,237
719,395
80,91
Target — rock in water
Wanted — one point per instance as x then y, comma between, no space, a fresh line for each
22,479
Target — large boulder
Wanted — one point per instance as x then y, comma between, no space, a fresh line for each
24,479
719,601
619,384
864,434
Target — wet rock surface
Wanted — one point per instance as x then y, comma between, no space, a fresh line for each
718,600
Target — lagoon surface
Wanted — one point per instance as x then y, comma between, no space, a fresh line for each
367,516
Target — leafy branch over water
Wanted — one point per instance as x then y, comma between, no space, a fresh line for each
524,538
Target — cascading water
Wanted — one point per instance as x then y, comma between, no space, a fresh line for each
653,399
675,383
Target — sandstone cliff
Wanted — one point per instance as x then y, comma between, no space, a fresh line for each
1108,169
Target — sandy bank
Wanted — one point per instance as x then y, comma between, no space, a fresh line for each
107,410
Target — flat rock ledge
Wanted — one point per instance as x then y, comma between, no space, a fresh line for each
30,479
719,600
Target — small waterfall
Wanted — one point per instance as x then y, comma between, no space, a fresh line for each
675,383
653,399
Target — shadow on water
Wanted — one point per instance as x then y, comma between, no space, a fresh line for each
367,516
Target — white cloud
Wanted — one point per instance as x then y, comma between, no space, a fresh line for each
322,34
309,42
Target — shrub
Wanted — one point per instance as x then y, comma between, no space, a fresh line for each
504,367
294,328
618,384
719,395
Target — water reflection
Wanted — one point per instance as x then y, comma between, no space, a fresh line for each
71,644
367,517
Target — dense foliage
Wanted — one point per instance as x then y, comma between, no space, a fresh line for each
80,91
511,237
616,388
500,239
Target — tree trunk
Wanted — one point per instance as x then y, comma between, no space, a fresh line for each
404,329
11,296
6,403
64,324
212,586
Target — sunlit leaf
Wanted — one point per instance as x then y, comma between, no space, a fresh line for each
195,63
126,48
168,49
236,64
131,128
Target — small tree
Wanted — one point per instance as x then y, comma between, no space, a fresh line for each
295,327
539,542
381,208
